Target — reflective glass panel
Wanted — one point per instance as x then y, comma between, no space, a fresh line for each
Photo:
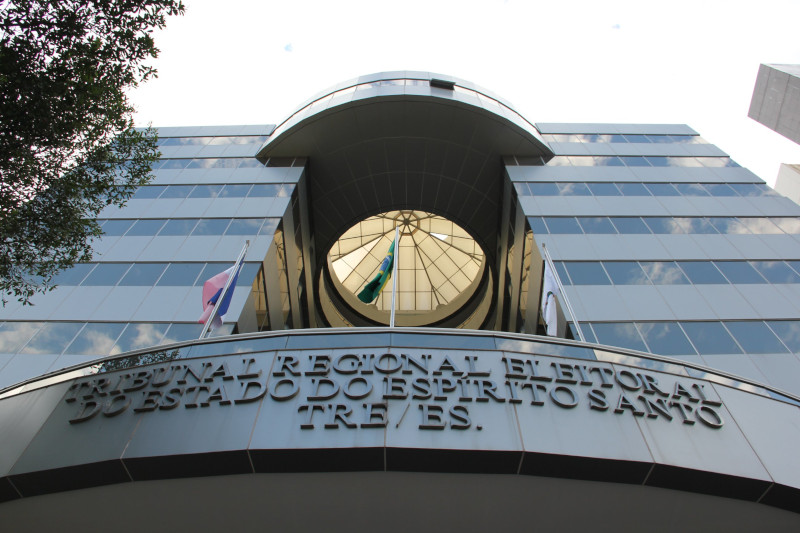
596,225
659,161
544,189
181,274
622,334
626,273
633,161
177,191
235,191
106,274
96,339
604,189
262,190
664,273
14,334
244,226
696,225
790,225
137,336
633,189
630,225
760,226
206,191
561,270
608,161
146,227
52,338
74,275
747,189
729,225
664,225
691,189
148,192
182,332
573,189
755,337
562,225
211,270
788,331
587,273
665,338
702,272
776,271
739,272
178,226
719,189
115,228
537,225
143,274
662,189
211,226
710,337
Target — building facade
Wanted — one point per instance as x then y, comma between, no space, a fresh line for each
776,99
670,396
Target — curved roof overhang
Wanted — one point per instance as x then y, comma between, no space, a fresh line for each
394,141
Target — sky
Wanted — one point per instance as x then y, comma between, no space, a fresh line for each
691,62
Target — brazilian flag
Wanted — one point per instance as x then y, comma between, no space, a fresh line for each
374,287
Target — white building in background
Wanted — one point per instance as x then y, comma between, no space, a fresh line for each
672,403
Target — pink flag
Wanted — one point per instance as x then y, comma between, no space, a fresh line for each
212,290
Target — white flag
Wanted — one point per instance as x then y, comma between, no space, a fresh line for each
550,296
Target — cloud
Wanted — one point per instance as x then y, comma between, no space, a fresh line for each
288,48
615,26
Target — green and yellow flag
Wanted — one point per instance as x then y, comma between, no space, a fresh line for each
374,287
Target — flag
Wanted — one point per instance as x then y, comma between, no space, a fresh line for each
550,296
212,291
374,287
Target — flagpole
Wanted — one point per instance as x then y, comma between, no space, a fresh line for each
237,265
394,272
563,292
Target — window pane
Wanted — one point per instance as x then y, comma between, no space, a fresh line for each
788,331
181,274
206,191
587,273
96,339
74,275
760,226
53,337
178,226
263,190
561,270
702,272
596,225
729,225
148,192
143,274
211,270
747,189
138,336
106,274
14,334
604,189
710,337
719,189
776,271
739,272
211,226
235,191
664,225
664,273
543,189
537,225
626,273
622,334
633,189
146,227
632,161
562,225
662,189
695,225
630,225
177,191
691,189
612,161
789,225
659,161
115,228
244,226
665,338
573,189
182,332
755,337
522,188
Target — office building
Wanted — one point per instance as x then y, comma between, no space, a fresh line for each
668,398
776,99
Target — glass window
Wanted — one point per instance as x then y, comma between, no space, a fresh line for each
760,226
262,190
106,274
604,189
702,272
739,272
269,226
586,329
594,225
626,273
729,225
522,188
174,164
52,338
235,191
617,139
788,224
659,138
635,161
178,226
211,270
719,189
544,189
776,271
573,189
662,189
148,191
250,163
633,189
747,189
96,339
710,337
755,337
563,275
74,275
138,336
695,225
182,332
146,227
143,274
691,189
587,273
637,138
630,225
622,334
14,334
115,228
659,161
664,273
608,161
206,191
177,191
788,331
537,225
181,274
665,338
562,225
664,225
795,265
244,226
211,226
